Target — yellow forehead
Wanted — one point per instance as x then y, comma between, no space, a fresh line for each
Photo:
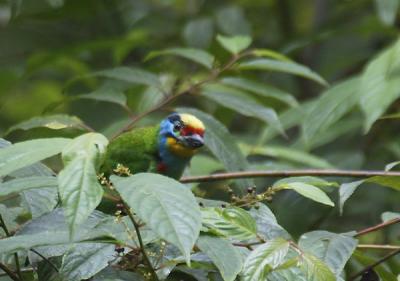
191,121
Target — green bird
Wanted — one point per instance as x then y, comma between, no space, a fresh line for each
166,148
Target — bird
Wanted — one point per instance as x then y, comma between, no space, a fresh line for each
165,148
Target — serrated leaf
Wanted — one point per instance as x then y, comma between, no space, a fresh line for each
264,259
242,103
380,84
55,122
222,144
22,184
234,44
165,205
334,249
197,55
282,66
307,190
332,105
387,10
225,257
346,190
25,153
315,269
130,75
264,90
78,186
232,222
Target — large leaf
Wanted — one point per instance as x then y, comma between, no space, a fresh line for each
264,259
315,269
387,10
55,122
22,184
346,190
222,144
388,181
197,55
232,222
79,187
110,91
264,90
165,205
380,84
226,258
25,153
334,249
242,103
330,107
234,44
305,189
282,66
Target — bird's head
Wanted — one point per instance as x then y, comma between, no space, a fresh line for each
183,134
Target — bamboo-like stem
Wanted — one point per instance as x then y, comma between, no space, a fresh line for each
16,258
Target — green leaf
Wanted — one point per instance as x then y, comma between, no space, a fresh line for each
306,190
222,144
387,216
25,153
242,103
79,188
318,182
282,66
198,33
234,44
346,190
231,20
334,249
388,181
315,269
55,122
264,259
380,84
130,75
226,258
112,274
196,55
270,54
232,222
332,105
390,166
165,205
387,10
260,89
22,184
110,91
381,269
289,154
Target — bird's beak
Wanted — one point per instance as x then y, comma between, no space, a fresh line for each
194,141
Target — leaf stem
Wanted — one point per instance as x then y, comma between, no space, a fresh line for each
377,227
139,236
378,247
9,272
16,258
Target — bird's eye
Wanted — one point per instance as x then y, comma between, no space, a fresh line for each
177,126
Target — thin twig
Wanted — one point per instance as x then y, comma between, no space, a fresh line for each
378,247
16,258
9,272
385,258
139,236
377,227
45,259
288,173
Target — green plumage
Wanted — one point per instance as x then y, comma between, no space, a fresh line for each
136,150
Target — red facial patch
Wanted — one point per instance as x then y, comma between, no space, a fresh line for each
161,167
188,131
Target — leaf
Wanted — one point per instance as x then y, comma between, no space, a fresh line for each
270,54
110,91
379,85
78,186
165,205
223,254
388,181
112,274
263,90
264,259
332,105
390,166
318,182
282,66
242,103
222,144
130,75
55,122
334,249
346,190
25,153
387,216
231,20
196,55
315,269
232,222
387,10
381,269
22,184
290,154
234,44
198,33
307,190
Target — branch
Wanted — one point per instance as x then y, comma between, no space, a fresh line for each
9,272
378,247
16,258
385,258
377,227
288,173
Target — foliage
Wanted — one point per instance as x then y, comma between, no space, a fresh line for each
280,86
